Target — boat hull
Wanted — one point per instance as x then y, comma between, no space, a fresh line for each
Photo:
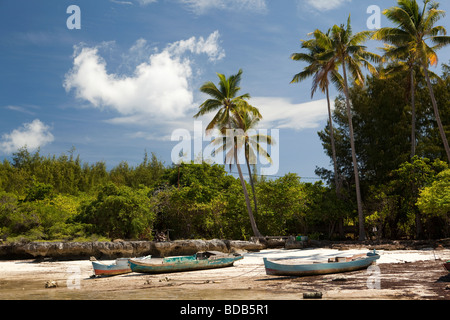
447,266
278,269
120,267
182,265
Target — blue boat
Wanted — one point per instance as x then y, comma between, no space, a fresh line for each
337,265
199,261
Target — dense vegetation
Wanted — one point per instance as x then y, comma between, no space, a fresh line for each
395,187
61,198
387,139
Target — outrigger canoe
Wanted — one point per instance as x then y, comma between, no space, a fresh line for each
447,266
119,266
336,265
199,261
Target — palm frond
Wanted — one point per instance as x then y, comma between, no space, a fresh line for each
402,18
208,106
441,41
210,89
360,37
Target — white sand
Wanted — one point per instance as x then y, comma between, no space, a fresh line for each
26,279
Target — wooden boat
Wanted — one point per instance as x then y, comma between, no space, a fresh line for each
336,265
447,266
120,266
199,261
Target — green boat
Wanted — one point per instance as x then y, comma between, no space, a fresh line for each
198,261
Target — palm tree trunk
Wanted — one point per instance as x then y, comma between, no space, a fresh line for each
413,115
337,179
247,198
333,146
252,184
362,233
436,113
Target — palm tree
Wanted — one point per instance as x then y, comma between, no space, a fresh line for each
253,142
404,62
345,48
320,70
414,29
226,103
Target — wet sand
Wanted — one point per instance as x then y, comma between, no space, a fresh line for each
401,275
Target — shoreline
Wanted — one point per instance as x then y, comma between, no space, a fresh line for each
128,249
403,275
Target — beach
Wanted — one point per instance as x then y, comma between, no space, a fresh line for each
397,275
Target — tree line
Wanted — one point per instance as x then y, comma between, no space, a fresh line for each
400,193
338,57
51,198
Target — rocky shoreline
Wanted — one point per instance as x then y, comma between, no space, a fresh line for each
120,248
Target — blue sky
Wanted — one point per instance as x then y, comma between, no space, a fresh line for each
130,76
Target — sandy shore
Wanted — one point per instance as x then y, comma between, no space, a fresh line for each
406,274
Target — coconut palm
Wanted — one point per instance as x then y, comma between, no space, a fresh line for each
346,49
402,61
225,101
415,29
253,142
321,71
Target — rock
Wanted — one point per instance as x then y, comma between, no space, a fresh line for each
339,278
189,247
51,284
312,295
120,249
291,243
239,246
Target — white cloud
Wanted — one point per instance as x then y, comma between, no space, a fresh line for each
283,114
21,109
122,2
32,135
202,6
210,46
145,2
158,88
325,5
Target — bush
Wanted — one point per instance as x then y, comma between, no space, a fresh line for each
120,212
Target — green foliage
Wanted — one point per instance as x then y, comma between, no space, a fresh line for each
390,180
201,201
120,212
282,205
395,213
41,196
38,191
435,199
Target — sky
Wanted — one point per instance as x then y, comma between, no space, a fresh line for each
117,78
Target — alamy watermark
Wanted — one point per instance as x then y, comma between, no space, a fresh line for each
74,20
374,21
374,279
262,147
73,278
